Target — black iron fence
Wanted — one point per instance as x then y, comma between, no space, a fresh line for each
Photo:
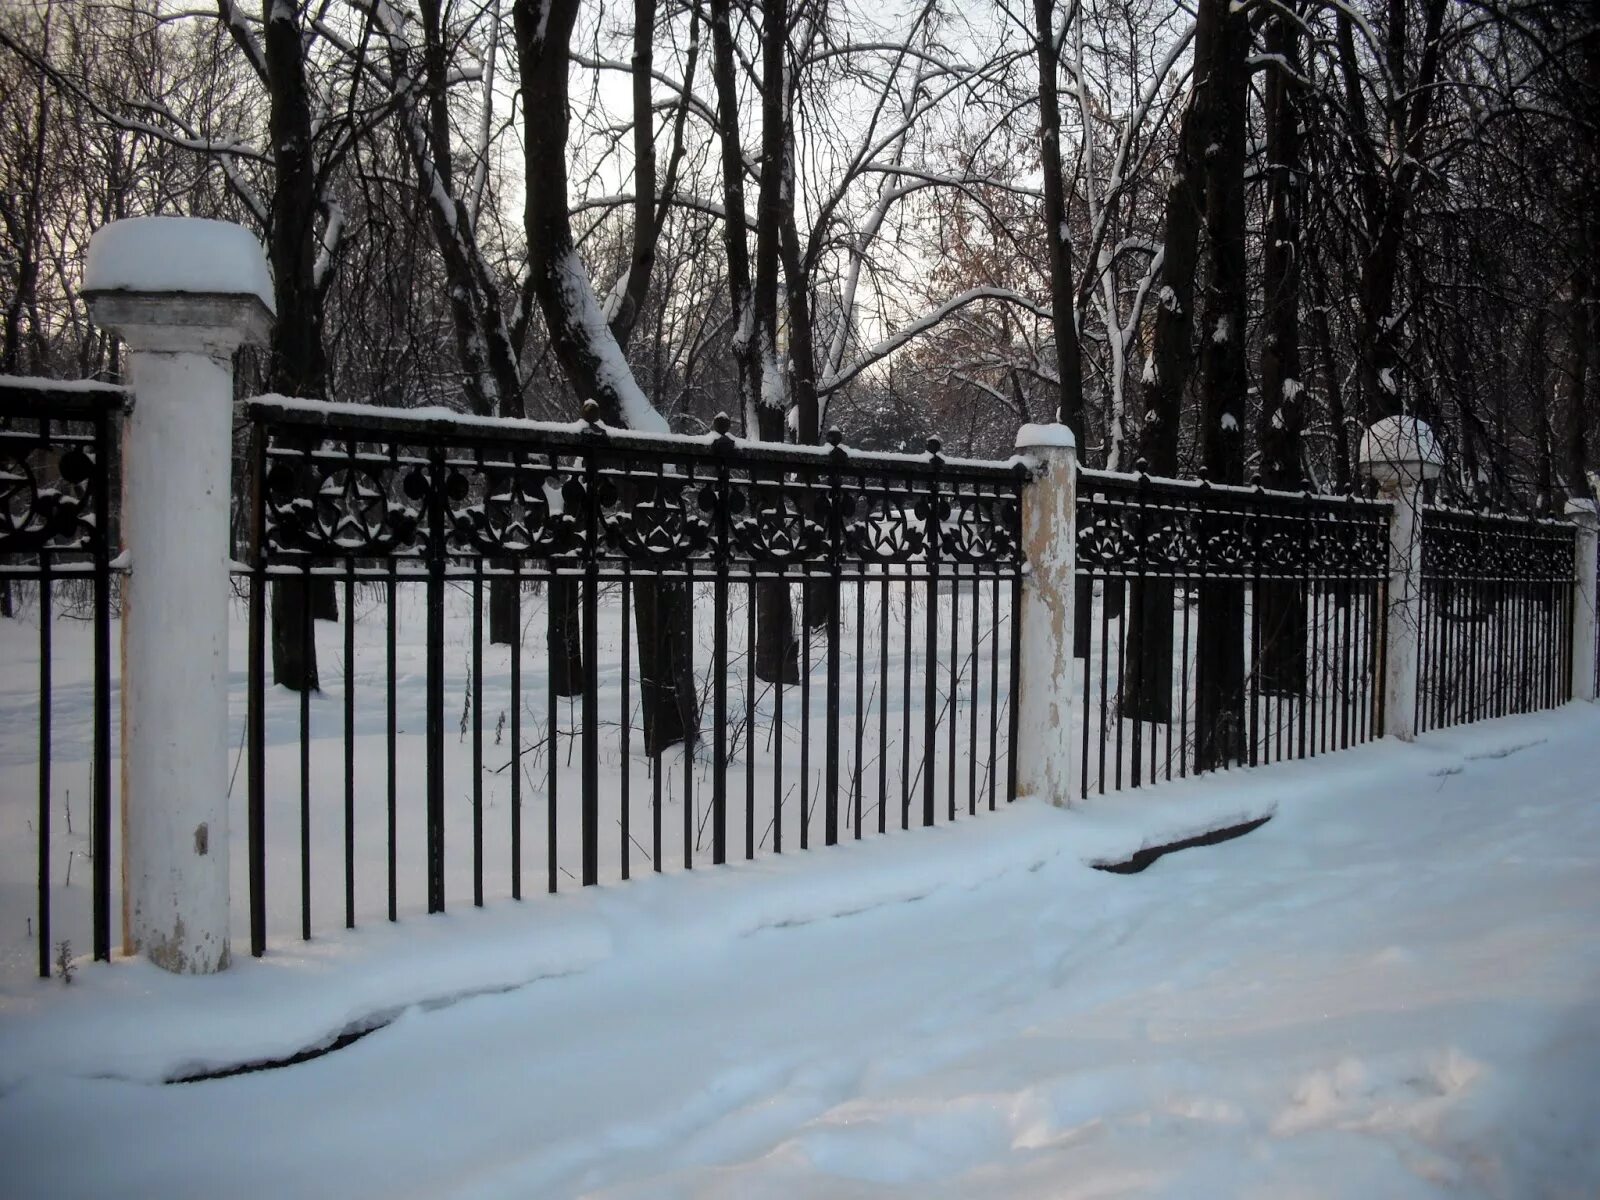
731,649
1497,610
55,563
1223,626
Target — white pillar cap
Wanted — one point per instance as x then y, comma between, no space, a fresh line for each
179,284
1052,436
1398,450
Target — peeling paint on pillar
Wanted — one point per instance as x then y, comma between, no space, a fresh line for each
1049,543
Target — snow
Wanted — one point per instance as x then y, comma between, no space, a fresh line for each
1229,423
1053,434
177,254
612,370
1388,990
1401,442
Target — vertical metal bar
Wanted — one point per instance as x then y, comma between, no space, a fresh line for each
1014,676
955,690
516,734
719,673
477,731
689,734
306,643
100,817
391,589
830,819
930,695
626,722
554,644
255,699
1100,776
805,711
905,707
45,657
590,830
972,705
437,533
750,717
994,680
883,700
1120,583
777,721
1181,586
861,650
349,744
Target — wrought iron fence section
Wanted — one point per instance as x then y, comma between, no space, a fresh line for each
1223,625
56,448
897,578
1498,597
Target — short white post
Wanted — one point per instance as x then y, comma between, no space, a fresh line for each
1400,454
1049,546
183,295
1586,519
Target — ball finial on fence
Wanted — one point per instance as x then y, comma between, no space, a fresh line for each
934,446
721,424
591,412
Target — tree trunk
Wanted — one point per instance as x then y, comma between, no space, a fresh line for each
1219,693
1147,689
297,366
588,354
1058,234
1281,656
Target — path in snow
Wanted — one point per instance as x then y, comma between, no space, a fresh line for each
1392,989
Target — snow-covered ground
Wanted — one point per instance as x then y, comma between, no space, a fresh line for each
1392,989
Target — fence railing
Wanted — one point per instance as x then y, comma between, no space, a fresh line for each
55,561
831,634
1497,616
1222,626
564,654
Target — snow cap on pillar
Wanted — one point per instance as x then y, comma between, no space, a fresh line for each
179,284
1400,450
1583,512
1053,436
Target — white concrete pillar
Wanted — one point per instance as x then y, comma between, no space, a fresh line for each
1045,691
1586,519
1400,454
183,295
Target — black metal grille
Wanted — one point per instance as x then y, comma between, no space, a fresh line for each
888,703
55,563
1223,626
1497,610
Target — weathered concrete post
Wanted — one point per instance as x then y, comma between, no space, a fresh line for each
183,295
1045,740
1586,519
1400,454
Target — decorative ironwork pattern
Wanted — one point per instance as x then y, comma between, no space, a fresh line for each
1138,526
343,484
55,452
52,469
1482,547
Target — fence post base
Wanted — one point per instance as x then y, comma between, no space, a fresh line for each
1049,544
1587,520
183,295
1400,454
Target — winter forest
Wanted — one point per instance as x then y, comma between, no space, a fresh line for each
1218,236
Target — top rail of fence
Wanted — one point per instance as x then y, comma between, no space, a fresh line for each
67,399
433,426
1187,491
